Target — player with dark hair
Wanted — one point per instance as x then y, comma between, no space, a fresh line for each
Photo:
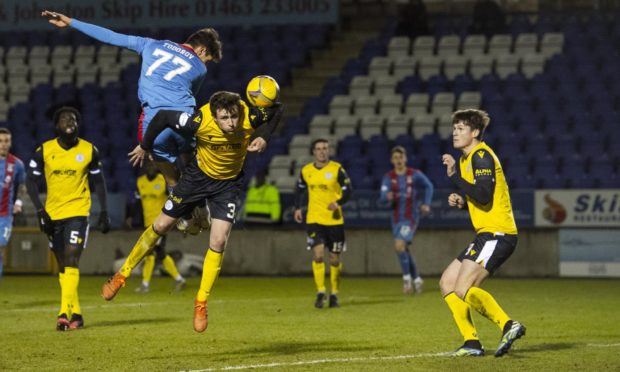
328,187
65,163
226,129
171,75
398,188
150,196
13,174
481,179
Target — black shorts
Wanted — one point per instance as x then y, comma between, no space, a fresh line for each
69,231
490,250
331,236
194,187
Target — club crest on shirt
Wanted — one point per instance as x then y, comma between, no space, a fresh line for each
157,187
328,175
168,205
79,158
9,167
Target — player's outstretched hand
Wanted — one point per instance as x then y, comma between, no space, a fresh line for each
104,222
45,222
57,19
136,156
450,164
258,145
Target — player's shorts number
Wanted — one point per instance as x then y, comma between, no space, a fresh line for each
165,57
74,237
231,213
338,247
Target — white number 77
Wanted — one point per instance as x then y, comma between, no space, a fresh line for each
165,57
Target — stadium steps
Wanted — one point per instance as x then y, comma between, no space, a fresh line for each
327,63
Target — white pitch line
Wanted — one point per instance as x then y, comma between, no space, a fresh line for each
320,361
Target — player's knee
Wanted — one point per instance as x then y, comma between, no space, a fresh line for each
218,243
161,228
318,259
445,285
461,292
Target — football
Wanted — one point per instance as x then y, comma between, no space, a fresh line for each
262,91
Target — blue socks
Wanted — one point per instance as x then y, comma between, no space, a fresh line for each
405,262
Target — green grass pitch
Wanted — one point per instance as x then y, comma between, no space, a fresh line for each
269,323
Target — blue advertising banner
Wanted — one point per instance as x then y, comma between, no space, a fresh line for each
590,253
26,15
363,210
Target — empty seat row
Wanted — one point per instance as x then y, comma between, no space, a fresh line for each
476,65
394,104
499,44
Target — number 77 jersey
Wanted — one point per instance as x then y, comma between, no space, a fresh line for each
171,73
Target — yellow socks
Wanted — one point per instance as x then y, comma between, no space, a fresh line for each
462,316
334,277
72,281
318,269
147,269
210,271
485,304
170,267
65,298
143,246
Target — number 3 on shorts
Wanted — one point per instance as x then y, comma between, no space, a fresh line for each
231,213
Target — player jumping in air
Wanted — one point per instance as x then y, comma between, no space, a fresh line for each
171,75
226,130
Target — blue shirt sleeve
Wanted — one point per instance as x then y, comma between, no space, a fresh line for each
20,173
104,35
421,179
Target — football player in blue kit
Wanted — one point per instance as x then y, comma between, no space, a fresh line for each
171,74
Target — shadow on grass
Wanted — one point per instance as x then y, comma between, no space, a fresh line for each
292,348
378,301
547,347
29,304
130,322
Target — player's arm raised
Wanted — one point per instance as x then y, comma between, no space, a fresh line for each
102,34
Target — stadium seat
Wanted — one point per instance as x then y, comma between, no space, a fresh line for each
380,66
390,104
299,145
340,105
423,46
417,103
480,65
385,85
474,45
551,43
506,64
532,64
345,125
442,103
423,124
449,45
526,43
365,105
455,65
469,99
397,125
500,44
404,66
361,85
371,125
